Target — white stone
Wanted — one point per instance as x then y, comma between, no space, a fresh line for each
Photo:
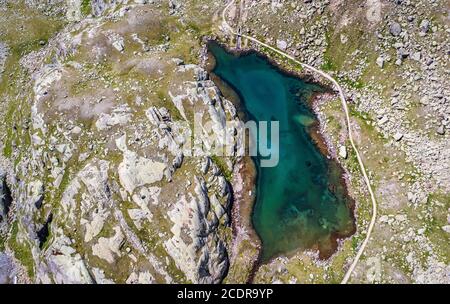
118,45
282,45
383,219
446,228
380,62
383,120
416,56
119,116
94,227
67,267
343,152
108,248
135,171
398,136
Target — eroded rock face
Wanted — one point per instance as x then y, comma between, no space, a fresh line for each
107,162
195,246
63,264
5,201
6,269
135,171
4,51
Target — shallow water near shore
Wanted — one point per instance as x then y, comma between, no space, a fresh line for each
302,203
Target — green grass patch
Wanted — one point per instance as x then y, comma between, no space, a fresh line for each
355,84
437,204
2,242
86,8
220,162
328,64
164,101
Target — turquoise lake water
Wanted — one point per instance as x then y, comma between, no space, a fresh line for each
302,202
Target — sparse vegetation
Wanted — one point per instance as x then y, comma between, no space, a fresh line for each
223,167
22,251
86,7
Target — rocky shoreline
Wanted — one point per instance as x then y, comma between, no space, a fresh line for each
242,183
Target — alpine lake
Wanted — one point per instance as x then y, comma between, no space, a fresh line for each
302,202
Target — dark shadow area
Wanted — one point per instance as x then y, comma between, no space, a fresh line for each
44,232
5,199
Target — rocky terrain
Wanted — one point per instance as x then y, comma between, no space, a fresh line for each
392,59
96,96
100,190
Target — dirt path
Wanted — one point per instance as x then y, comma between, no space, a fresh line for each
344,106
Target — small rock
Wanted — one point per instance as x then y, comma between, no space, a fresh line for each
76,130
416,56
398,136
395,29
281,44
178,61
411,197
343,152
440,130
384,219
424,26
380,62
400,217
118,45
383,120
446,228
403,53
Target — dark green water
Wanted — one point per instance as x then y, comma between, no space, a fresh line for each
301,202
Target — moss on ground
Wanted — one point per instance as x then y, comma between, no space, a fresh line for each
24,30
220,162
85,7
2,242
437,204
241,267
22,251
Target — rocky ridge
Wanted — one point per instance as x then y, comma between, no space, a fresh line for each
104,192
